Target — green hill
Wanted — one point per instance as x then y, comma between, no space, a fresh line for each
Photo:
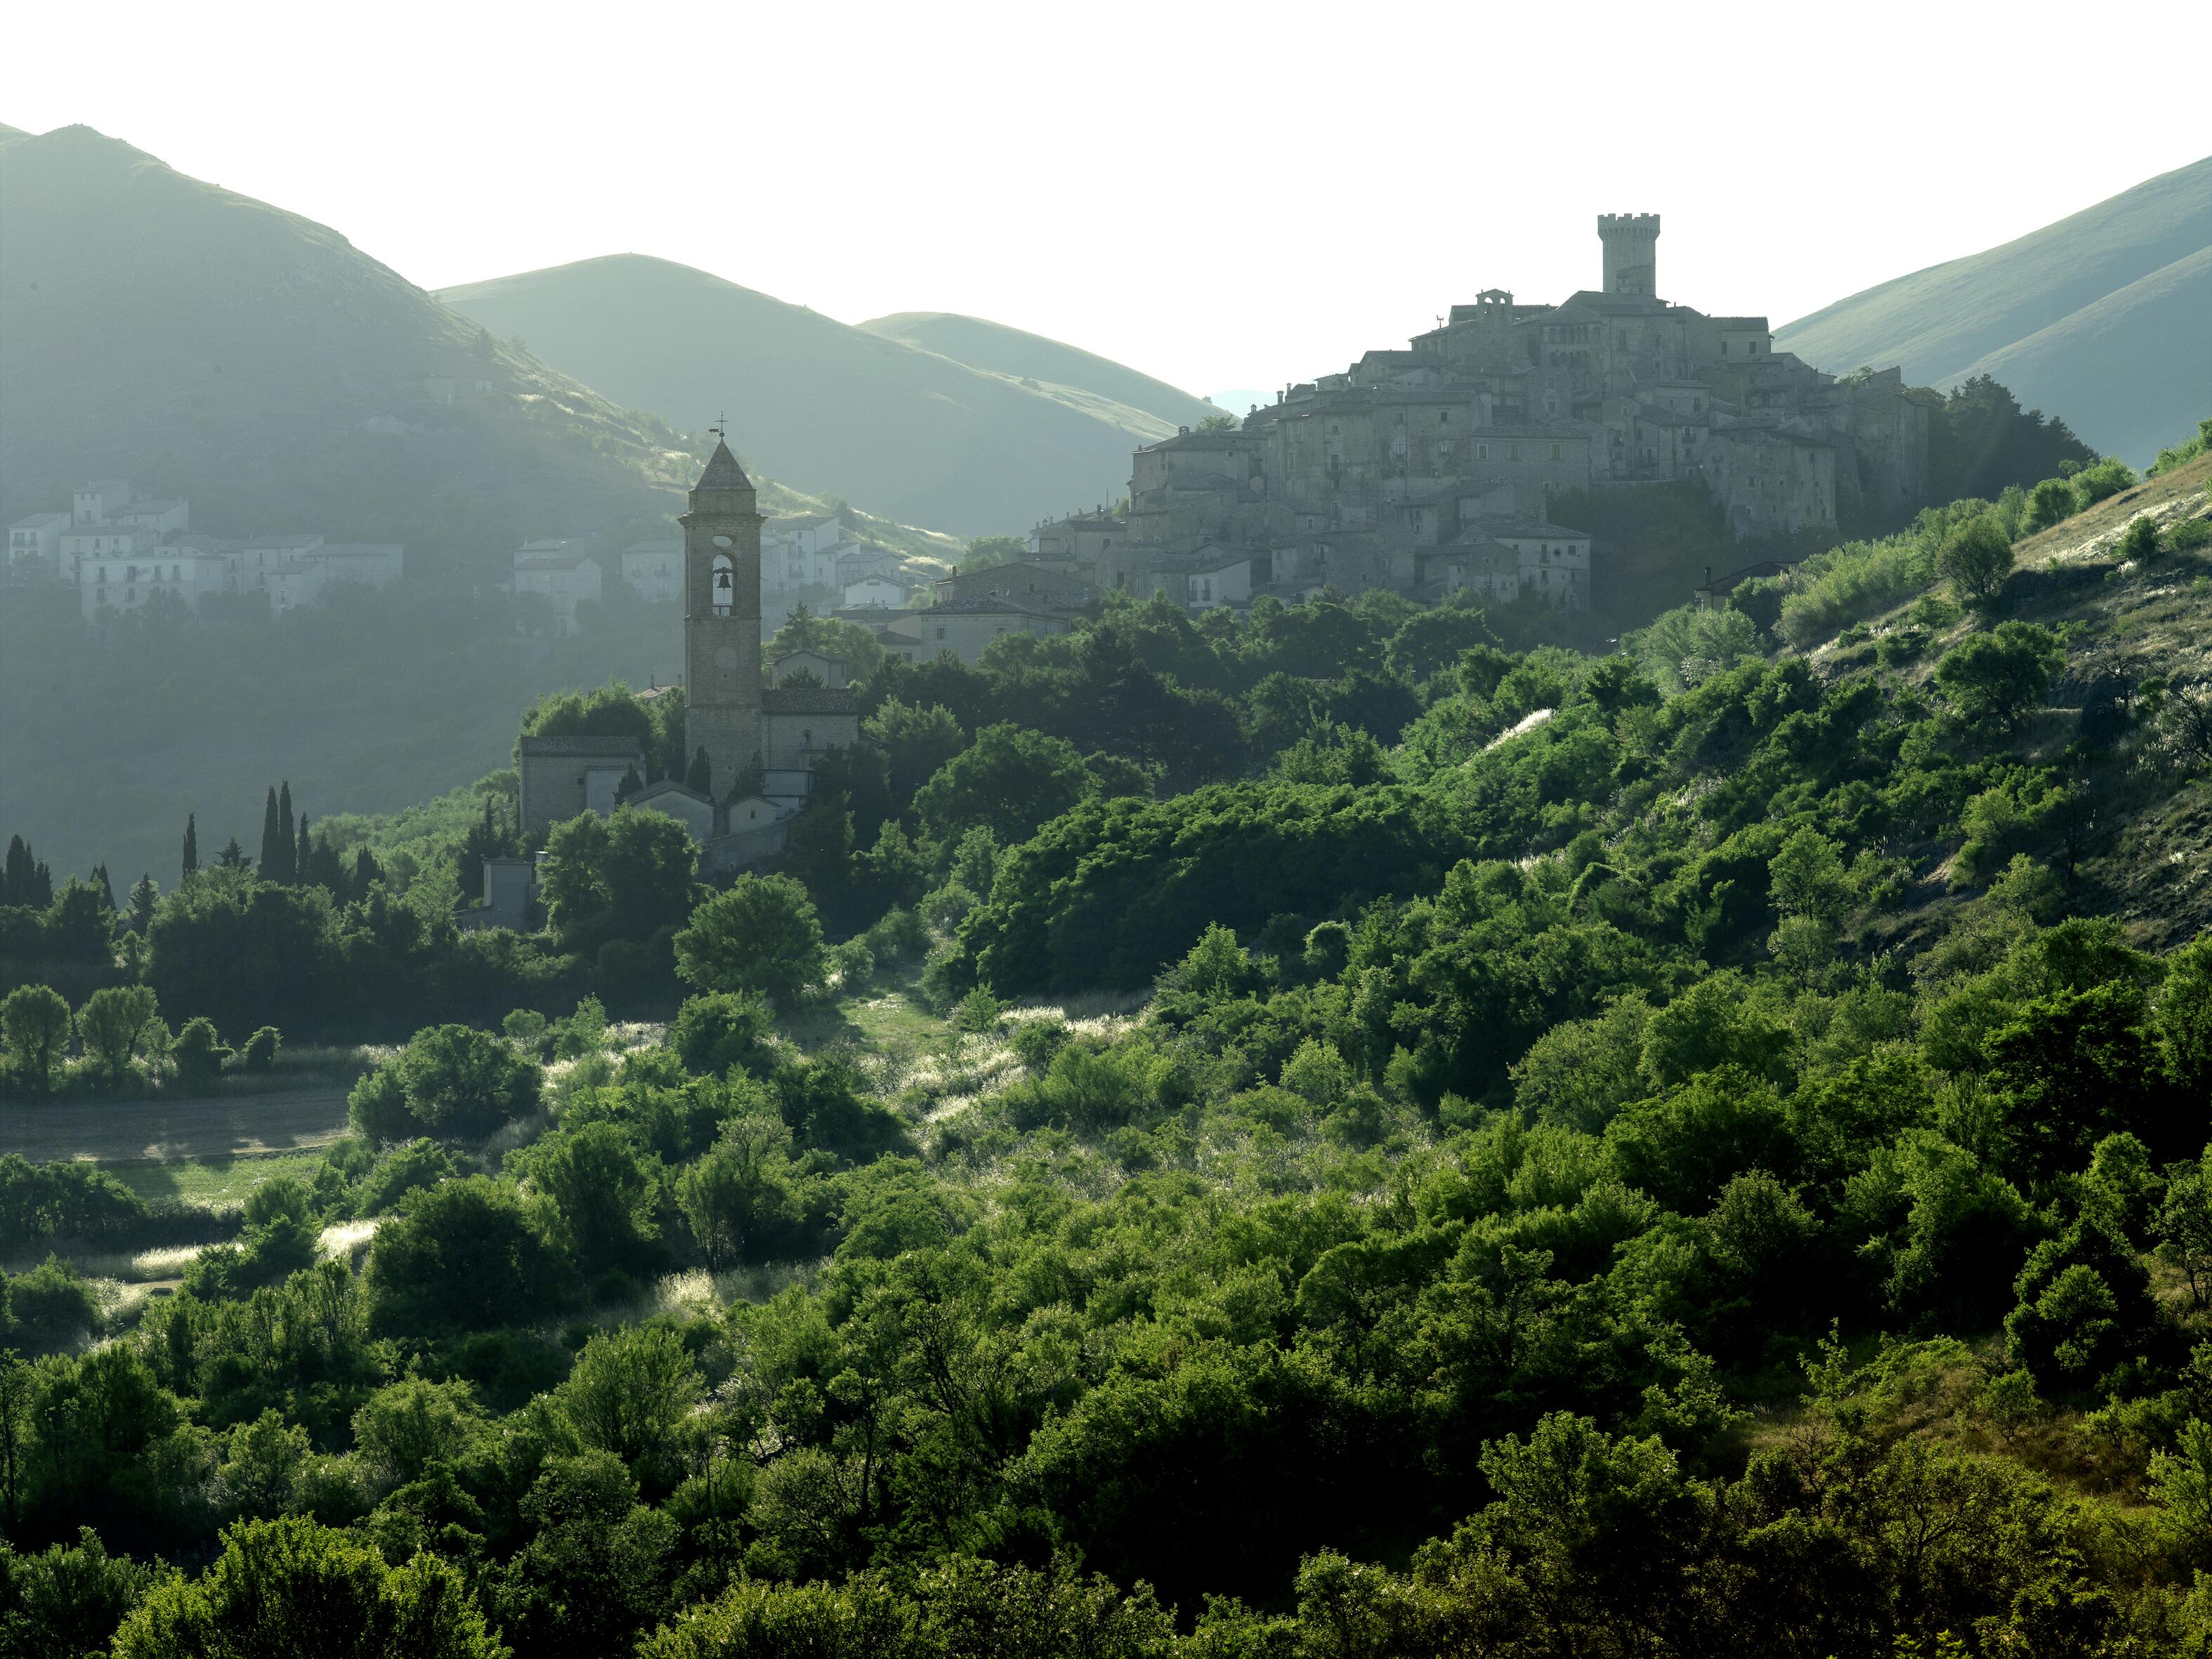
2099,318
209,345
1041,363
825,406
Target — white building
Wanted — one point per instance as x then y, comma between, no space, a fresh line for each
802,552
129,582
875,590
965,628
162,516
100,541
654,570
564,573
95,501
37,541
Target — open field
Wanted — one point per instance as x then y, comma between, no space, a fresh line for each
174,1130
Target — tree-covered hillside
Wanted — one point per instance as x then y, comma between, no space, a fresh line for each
1323,1134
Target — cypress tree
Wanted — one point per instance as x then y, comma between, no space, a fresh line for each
142,905
700,777
630,784
15,877
366,872
100,884
273,830
192,845
288,852
233,856
303,861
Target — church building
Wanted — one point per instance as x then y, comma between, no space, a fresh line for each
755,746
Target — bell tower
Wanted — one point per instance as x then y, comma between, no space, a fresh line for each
721,621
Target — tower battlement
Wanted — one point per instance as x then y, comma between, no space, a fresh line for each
1632,252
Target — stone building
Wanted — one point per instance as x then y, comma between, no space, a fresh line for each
1402,471
757,747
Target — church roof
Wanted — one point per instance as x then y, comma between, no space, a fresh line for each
722,471
808,700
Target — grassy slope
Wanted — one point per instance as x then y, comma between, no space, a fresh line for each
825,406
2149,858
1963,316
1046,364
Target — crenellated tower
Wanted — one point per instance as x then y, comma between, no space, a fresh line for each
722,620
1631,253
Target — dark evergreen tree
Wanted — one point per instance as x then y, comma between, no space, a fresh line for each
101,885
276,838
288,852
303,855
192,845
366,872
630,784
700,775
326,870
233,856
142,897
25,881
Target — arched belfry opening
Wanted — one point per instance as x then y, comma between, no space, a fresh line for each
723,594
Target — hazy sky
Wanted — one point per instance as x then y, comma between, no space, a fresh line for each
1224,195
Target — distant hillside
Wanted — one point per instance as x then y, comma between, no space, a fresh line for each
825,406
998,349
2101,318
211,345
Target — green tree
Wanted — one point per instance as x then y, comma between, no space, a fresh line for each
734,1198
35,1026
461,1254
451,1082
620,877
113,1023
916,741
629,1394
1012,780
1996,679
600,1195
2048,503
1975,557
192,845
762,934
292,1587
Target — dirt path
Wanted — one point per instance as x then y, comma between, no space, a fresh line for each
292,1120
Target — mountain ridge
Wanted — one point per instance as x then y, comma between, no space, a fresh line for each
825,406
2109,278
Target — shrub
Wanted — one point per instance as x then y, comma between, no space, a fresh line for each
199,1054
450,1082
713,1033
1975,557
2048,503
2139,541
2095,484
259,1056
51,1307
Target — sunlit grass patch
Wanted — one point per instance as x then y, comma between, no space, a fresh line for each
214,1184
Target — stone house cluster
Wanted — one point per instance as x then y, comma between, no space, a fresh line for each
1427,470
119,549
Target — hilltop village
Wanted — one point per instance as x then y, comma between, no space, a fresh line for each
1426,470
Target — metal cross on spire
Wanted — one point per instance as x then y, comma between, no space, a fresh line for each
721,427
